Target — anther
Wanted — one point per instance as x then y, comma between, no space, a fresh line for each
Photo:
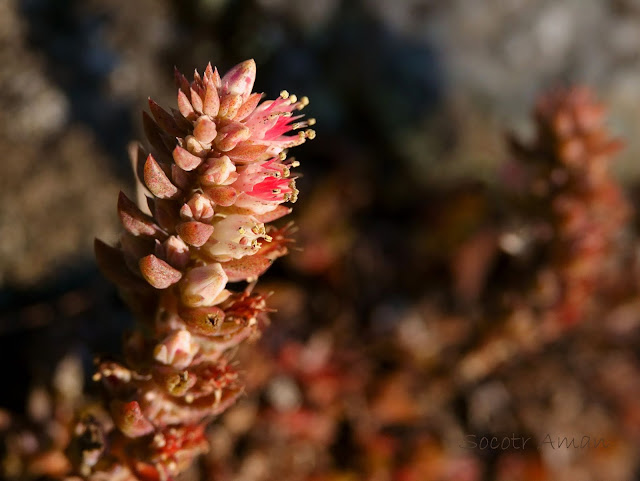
310,133
311,121
284,94
159,440
293,99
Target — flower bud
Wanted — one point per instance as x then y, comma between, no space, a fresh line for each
176,350
202,285
219,171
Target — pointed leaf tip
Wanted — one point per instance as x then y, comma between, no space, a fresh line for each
133,219
239,80
157,181
194,233
245,268
185,159
158,273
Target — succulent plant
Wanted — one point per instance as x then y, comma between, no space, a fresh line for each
216,172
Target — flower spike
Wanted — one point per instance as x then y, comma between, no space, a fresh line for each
217,171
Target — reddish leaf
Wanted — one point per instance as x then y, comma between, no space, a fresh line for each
224,195
205,130
194,233
248,267
180,177
133,219
164,212
112,264
156,137
275,214
185,159
196,101
164,119
182,123
247,152
211,99
157,181
248,106
158,273
230,105
181,81
185,107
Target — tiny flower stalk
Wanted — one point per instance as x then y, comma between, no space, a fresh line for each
216,173
573,190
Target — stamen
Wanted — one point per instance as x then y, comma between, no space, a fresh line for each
284,94
293,99
311,134
304,101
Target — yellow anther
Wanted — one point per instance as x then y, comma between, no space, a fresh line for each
311,121
284,94
295,164
293,99
241,230
268,238
304,101
282,155
311,134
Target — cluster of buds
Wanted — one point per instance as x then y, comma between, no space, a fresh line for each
216,173
583,206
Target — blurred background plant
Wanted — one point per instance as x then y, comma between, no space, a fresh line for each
430,298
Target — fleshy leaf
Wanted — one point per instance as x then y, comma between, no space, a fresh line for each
133,219
157,181
194,233
224,195
164,119
158,273
129,419
248,267
185,159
